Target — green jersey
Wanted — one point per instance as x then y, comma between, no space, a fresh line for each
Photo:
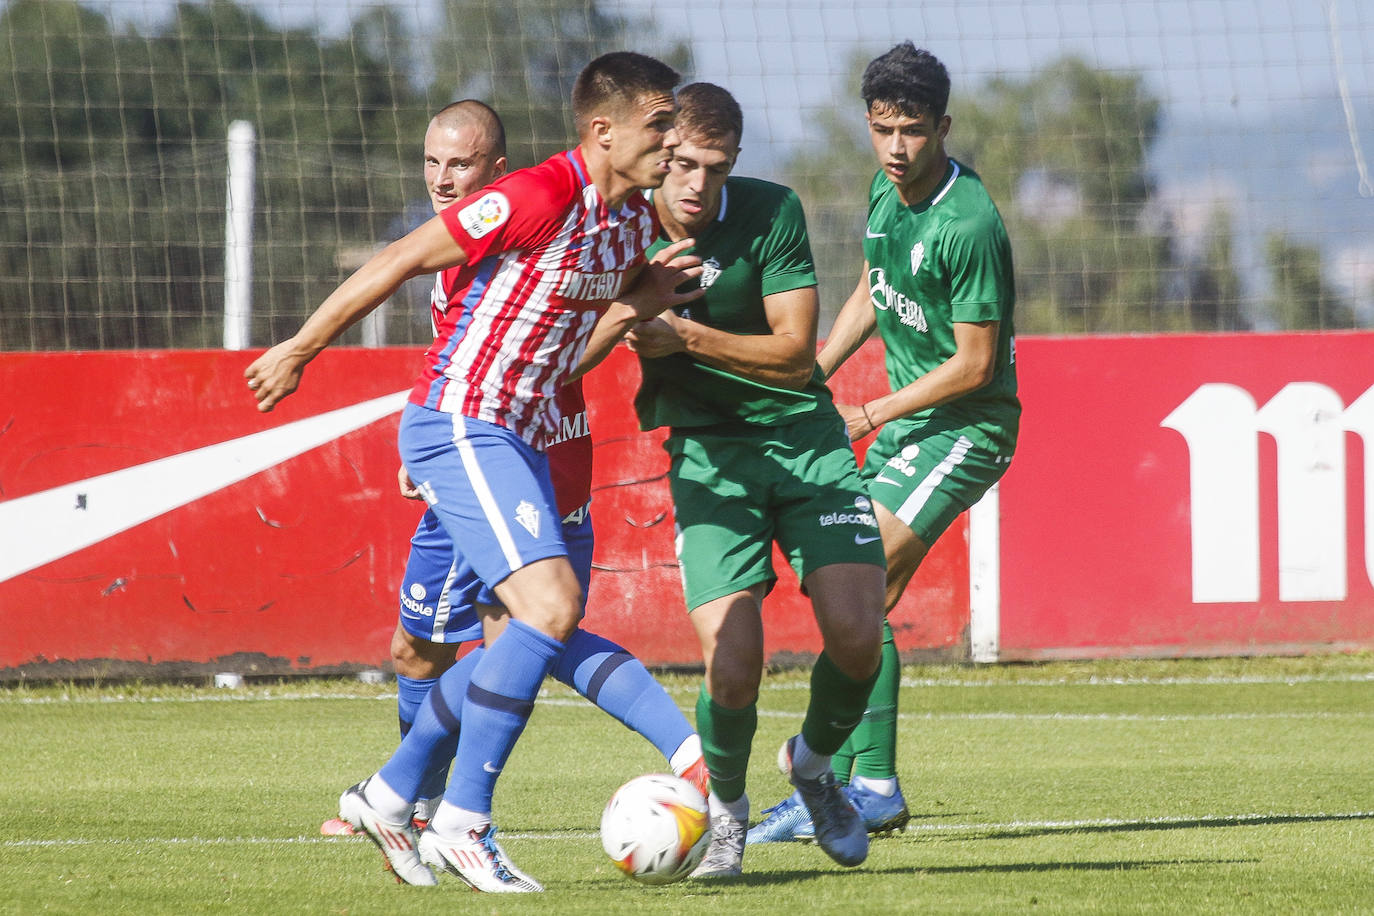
757,246
944,260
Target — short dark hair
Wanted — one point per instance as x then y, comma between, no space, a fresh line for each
615,81
909,79
706,110
472,111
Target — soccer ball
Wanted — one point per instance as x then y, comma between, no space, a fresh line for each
655,828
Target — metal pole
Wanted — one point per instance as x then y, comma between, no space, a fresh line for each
238,237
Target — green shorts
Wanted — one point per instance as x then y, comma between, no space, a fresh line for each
927,473
738,488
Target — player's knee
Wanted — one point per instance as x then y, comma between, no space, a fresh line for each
411,660
733,676
402,652
733,687
856,648
554,617
544,595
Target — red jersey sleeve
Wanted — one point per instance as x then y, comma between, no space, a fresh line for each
517,211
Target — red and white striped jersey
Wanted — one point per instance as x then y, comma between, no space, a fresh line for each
544,254
570,447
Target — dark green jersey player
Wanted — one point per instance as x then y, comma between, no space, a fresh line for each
937,286
943,261
759,455
755,247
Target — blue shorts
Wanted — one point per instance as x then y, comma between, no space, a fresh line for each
488,489
440,591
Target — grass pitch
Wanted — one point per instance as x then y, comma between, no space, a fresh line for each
1118,787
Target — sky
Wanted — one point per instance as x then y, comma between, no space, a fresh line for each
1202,55
1269,104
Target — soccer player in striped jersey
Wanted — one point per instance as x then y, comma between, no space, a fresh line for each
937,286
544,251
442,602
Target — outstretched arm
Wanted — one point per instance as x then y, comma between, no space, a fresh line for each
277,373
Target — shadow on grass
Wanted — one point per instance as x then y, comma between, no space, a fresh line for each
791,876
995,832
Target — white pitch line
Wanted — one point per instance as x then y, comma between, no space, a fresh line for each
252,840
1173,821
1216,681
250,694
1099,717
578,702
1181,821
243,695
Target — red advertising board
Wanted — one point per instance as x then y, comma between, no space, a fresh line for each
136,528
150,516
1190,495
1181,495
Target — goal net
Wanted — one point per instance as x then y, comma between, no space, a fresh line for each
1162,165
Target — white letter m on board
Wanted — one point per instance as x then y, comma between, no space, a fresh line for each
1308,421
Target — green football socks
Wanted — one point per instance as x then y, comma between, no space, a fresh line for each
871,750
726,738
837,702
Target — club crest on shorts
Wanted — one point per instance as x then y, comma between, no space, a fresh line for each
528,517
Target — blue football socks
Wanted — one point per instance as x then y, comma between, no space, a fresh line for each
419,767
410,694
500,697
618,683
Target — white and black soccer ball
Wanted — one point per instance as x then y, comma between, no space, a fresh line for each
655,828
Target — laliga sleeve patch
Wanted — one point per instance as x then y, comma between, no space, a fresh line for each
484,214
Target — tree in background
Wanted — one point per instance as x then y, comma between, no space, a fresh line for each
112,167
112,155
1211,293
1065,149
522,57
1302,299
75,126
830,172
1063,153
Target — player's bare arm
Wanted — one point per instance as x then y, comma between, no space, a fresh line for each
970,368
852,327
277,373
654,289
784,358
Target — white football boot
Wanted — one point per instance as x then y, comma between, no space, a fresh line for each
477,859
397,841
